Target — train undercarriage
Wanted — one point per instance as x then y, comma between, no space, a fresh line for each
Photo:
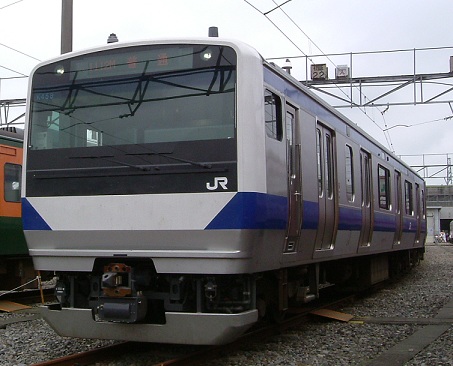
132,292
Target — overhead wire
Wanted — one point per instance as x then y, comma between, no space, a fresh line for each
13,49
310,40
389,142
6,6
420,123
17,72
277,7
385,130
22,53
277,27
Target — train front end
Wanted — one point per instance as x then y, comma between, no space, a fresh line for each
133,192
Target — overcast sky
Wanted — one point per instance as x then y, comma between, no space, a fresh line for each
32,29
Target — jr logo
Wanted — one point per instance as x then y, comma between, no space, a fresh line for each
218,181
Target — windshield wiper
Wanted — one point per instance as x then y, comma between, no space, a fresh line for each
140,167
108,158
167,155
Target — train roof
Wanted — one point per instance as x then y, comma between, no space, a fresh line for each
12,133
244,47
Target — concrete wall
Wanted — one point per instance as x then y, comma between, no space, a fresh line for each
433,222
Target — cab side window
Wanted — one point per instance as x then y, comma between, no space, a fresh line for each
273,115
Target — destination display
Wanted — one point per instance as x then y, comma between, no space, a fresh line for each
132,62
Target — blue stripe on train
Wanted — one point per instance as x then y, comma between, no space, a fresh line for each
350,219
384,221
251,210
31,219
310,215
410,225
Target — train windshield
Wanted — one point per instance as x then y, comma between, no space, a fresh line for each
135,96
142,111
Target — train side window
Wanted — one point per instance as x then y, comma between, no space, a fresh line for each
408,197
319,162
328,146
418,206
13,174
384,187
422,198
273,115
349,174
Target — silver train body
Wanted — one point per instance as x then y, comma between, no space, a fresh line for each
193,188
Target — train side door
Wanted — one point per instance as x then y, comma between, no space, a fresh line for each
398,209
294,179
327,184
418,212
367,201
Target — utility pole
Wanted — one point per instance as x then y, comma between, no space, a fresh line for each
66,26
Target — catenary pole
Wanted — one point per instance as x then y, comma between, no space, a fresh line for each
66,25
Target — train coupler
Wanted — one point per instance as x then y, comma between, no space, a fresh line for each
117,299
123,310
117,280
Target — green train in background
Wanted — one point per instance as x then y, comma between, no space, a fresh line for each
16,266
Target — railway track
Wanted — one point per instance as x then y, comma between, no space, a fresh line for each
89,357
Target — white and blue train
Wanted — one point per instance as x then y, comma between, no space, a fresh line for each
182,189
